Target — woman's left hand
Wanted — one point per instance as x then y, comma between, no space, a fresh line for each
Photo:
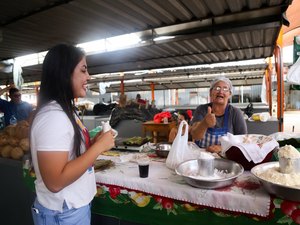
214,148
96,137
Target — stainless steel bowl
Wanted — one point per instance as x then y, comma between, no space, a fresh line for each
232,169
281,191
163,149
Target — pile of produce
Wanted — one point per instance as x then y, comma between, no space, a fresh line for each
136,141
103,164
14,140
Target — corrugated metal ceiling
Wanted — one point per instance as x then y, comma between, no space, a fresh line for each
206,31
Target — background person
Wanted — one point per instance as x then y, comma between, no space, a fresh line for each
182,115
62,153
16,108
139,100
213,120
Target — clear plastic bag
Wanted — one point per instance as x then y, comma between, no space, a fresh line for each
293,75
179,147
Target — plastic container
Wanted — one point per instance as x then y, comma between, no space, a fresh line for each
95,131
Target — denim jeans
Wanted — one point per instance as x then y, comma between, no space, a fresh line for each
44,216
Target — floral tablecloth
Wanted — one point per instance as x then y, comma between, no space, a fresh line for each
246,194
145,208
164,198
141,204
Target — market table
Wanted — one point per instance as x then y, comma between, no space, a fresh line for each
159,131
164,198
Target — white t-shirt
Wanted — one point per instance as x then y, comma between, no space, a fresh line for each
53,131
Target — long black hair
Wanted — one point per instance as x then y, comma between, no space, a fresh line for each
185,115
56,83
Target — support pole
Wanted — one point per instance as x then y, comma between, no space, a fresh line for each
280,82
152,91
122,84
268,81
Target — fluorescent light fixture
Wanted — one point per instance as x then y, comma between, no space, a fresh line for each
133,81
142,72
110,44
163,38
122,41
93,46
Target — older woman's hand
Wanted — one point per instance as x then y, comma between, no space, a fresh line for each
210,118
214,148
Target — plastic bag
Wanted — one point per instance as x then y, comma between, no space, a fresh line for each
180,148
249,110
293,75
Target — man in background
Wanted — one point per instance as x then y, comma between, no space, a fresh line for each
139,100
14,110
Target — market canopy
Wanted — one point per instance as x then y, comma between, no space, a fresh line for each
203,32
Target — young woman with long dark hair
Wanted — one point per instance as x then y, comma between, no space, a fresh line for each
62,153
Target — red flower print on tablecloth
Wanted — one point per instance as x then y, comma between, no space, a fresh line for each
291,211
248,185
165,203
296,216
114,191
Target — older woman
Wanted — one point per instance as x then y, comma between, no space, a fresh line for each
215,119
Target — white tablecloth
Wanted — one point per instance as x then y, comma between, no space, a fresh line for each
246,195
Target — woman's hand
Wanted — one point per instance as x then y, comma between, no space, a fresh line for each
93,140
214,148
105,141
210,118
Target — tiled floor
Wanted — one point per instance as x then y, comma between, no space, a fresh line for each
291,119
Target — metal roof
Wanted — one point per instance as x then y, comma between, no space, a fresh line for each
182,78
205,31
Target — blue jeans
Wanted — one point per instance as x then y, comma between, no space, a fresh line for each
44,216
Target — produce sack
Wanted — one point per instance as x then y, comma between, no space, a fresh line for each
181,150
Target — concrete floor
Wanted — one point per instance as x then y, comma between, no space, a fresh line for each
291,119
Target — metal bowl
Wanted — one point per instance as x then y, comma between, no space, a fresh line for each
281,191
233,170
163,149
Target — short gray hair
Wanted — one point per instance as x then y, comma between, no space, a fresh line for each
224,79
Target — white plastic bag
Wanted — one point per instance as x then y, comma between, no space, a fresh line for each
293,75
179,147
